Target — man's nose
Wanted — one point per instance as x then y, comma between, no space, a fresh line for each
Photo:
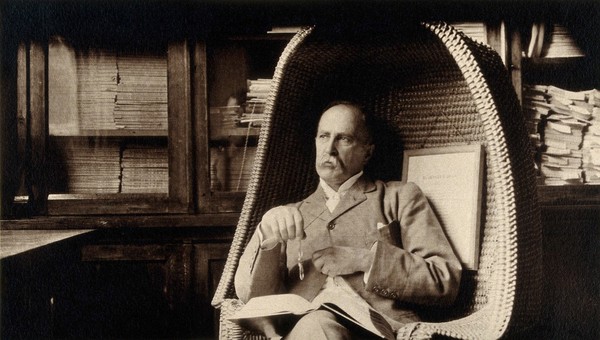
331,148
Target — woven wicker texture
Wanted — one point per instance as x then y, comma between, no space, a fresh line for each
431,87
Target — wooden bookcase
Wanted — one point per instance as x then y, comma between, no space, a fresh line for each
201,73
40,154
206,65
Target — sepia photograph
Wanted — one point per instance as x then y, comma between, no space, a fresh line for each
300,169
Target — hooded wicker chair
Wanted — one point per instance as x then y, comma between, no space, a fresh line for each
430,86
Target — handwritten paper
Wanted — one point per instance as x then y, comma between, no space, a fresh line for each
451,178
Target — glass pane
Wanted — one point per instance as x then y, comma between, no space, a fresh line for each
145,168
108,111
231,167
240,75
22,194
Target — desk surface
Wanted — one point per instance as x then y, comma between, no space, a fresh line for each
13,242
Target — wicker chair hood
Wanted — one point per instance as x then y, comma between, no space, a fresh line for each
429,86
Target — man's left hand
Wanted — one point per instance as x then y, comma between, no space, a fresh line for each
335,261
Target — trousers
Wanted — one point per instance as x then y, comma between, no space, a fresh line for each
324,325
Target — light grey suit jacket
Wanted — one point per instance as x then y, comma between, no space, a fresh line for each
414,262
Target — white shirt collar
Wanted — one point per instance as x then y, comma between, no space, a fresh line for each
329,192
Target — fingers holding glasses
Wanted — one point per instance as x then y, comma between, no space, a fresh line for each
281,224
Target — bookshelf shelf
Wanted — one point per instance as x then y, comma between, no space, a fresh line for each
577,73
225,134
570,195
205,221
554,61
66,197
132,128
116,133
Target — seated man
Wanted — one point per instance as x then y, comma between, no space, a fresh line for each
376,242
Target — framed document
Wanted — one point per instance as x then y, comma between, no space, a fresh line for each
452,180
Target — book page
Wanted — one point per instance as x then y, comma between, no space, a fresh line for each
63,115
451,178
260,312
356,311
273,305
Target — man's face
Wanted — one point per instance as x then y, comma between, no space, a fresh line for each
341,145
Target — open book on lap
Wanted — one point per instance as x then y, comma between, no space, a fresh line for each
264,313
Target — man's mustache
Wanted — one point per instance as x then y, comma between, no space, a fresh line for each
328,159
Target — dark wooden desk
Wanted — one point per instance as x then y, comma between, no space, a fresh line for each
111,283
13,242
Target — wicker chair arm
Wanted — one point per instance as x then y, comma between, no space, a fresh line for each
473,326
230,330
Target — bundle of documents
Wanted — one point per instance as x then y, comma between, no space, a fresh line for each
231,167
141,100
127,91
97,78
145,169
591,143
224,121
241,161
253,114
259,88
535,108
564,120
92,168
254,108
560,44
552,41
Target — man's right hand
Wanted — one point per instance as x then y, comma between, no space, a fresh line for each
281,224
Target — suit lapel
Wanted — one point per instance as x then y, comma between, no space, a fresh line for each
354,196
313,207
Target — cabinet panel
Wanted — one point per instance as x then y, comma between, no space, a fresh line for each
37,126
209,259
571,268
137,290
238,79
38,287
105,128
121,284
180,123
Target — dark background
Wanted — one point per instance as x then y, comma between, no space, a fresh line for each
122,295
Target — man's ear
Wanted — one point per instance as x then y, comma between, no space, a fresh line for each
369,152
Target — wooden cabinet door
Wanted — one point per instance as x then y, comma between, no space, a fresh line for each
209,259
104,129
141,290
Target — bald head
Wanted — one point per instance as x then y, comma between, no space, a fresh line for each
343,143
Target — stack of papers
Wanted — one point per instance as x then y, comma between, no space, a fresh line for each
564,120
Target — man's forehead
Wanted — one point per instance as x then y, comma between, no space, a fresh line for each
339,117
